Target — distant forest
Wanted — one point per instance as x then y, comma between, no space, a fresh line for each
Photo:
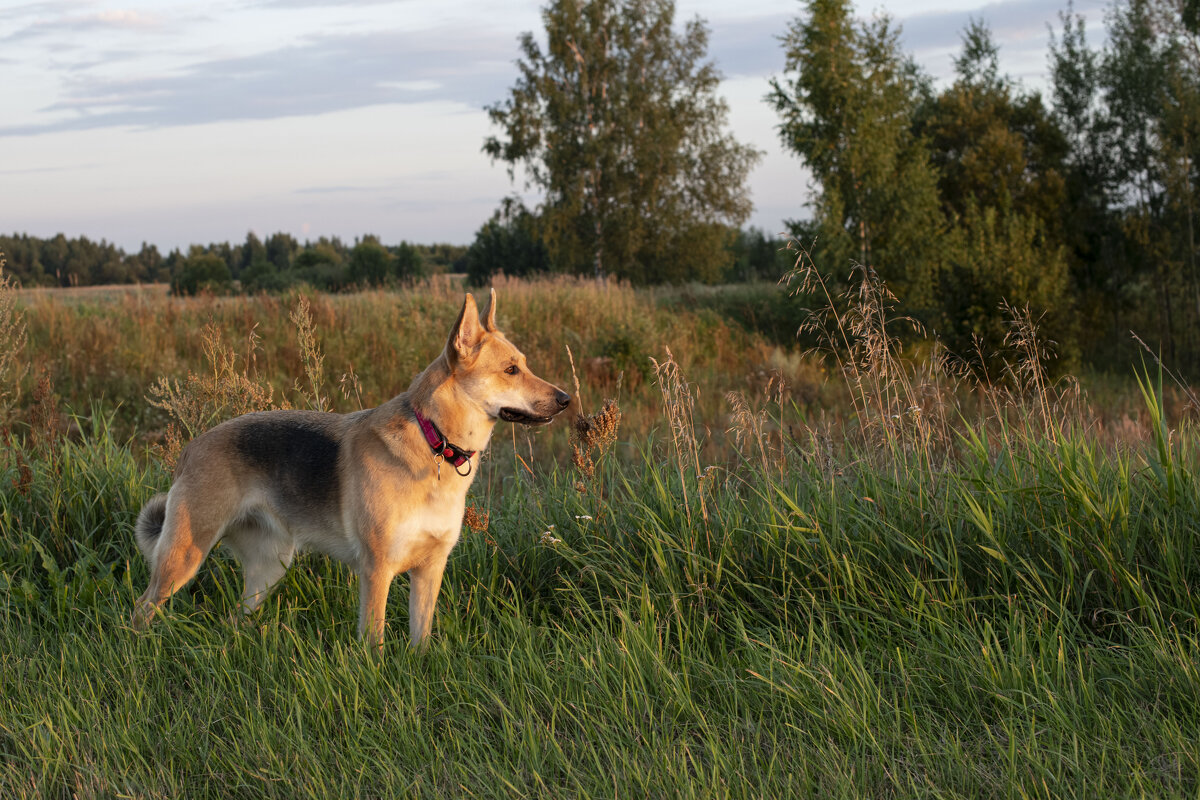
329,264
255,265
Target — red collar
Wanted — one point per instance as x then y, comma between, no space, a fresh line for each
441,446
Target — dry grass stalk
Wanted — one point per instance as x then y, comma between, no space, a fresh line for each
1028,373
351,384
591,435
13,336
748,427
751,428
678,403
223,392
855,328
310,355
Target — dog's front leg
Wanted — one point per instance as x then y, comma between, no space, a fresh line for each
425,583
373,586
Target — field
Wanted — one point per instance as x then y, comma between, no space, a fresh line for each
862,575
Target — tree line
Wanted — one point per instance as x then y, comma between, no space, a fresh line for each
280,262
272,264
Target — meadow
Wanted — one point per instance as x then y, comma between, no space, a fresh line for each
758,573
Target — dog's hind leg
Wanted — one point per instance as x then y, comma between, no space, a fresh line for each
265,551
186,539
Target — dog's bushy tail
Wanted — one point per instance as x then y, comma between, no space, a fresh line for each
150,524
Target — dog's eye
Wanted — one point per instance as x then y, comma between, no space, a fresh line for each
512,369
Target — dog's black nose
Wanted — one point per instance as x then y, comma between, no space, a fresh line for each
563,398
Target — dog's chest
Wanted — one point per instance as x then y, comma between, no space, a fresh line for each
436,518
423,529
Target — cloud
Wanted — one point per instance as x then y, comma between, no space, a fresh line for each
111,20
749,46
40,9
1013,24
320,75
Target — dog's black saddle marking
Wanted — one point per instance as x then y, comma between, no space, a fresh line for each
298,458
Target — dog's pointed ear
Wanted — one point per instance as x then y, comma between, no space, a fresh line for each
489,319
466,333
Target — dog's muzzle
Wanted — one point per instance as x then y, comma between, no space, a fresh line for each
508,414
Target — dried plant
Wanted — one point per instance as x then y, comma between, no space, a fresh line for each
855,329
476,519
679,400
13,336
751,428
221,393
1028,373
310,355
350,384
45,418
748,428
592,435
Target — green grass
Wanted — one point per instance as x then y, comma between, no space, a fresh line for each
1018,621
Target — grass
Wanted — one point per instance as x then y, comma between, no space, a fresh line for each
107,351
987,599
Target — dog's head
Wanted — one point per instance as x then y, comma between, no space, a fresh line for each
493,371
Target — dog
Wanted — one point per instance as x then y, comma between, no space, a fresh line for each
383,489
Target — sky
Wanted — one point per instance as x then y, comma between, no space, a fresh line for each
176,122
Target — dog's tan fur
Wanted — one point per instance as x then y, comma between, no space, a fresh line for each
364,487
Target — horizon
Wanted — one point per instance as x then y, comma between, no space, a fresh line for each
197,124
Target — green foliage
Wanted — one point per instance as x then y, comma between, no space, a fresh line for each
992,256
77,262
508,244
407,263
253,266
619,123
848,110
201,272
1132,114
954,198
758,257
991,144
370,263
1000,162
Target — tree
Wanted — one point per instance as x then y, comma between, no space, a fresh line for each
847,104
1101,277
407,262
1150,75
507,243
991,142
999,157
370,263
618,122
281,248
200,271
